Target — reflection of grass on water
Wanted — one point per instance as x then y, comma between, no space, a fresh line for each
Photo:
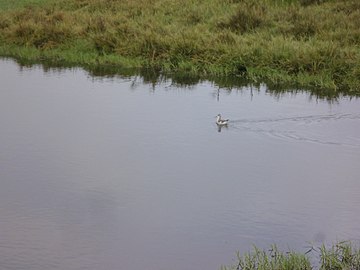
341,256
303,42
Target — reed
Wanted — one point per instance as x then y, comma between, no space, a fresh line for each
273,260
306,42
340,256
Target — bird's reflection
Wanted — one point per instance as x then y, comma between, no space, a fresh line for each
219,127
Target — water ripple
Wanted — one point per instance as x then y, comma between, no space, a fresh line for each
297,128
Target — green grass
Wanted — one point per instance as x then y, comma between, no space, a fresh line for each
12,4
304,43
340,256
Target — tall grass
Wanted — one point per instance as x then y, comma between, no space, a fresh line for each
10,4
340,256
304,42
273,260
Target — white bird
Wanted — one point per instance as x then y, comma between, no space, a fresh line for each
221,122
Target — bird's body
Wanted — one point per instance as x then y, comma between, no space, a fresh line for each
221,122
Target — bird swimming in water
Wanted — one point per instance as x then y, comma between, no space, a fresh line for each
221,122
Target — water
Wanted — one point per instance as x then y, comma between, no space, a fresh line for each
114,173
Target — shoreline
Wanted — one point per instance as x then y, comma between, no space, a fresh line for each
280,42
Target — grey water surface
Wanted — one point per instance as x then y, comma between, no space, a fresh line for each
115,173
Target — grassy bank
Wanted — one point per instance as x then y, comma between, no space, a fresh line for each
341,256
303,42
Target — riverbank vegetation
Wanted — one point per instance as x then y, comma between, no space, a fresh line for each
306,43
340,256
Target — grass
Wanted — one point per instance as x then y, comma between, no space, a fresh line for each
9,5
340,256
306,43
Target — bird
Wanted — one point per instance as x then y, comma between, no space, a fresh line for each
221,122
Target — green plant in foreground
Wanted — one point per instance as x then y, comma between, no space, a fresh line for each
340,256
272,259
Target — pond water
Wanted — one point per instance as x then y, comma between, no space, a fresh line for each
117,173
